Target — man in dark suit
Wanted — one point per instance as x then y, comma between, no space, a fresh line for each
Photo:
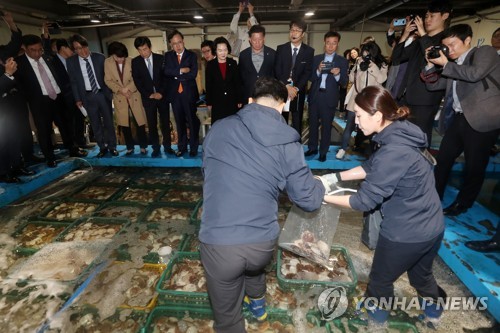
41,83
181,68
147,71
256,61
293,67
329,75
411,90
470,117
86,73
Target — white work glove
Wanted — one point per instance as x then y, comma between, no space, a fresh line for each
329,181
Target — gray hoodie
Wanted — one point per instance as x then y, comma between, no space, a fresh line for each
248,158
402,180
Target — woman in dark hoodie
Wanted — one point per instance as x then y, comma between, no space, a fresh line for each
399,178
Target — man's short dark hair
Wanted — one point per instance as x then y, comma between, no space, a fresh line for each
494,32
29,40
256,29
300,24
461,31
118,49
442,7
78,39
141,41
331,34
60,43
210,44
173,33
270,87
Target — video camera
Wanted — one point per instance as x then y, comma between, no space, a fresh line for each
366,62
433,52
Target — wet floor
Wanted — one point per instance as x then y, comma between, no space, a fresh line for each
81,255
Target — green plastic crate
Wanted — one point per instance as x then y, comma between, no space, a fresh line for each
174,297
206,313
197,190
194,216
104,208
296,284
353,325
123,223
29,250
148,212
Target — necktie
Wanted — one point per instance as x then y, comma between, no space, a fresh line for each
51,91
294,57
150,68
90,73
179,90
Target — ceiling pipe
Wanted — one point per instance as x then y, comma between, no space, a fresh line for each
380,12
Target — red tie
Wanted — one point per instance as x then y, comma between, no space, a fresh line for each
179,90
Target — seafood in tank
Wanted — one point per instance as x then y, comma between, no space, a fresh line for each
35,235
83,320
308,246
187,275
140,195
90,231
71,210
120,211
169,213
142,286
277,297
182,195
96,192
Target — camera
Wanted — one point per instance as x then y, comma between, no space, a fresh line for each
328,66
402,21
433,52
365,63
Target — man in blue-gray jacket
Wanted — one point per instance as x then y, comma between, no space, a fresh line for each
248,158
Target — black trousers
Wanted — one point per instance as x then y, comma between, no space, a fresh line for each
141,137
231,272
185,117
423,117
476,146
392,259
10,145
155,108
296,111
319,111
101,119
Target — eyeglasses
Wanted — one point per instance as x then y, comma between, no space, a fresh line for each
296,30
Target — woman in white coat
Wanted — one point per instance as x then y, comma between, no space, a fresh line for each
370,69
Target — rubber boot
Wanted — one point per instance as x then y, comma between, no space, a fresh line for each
432,309
257,307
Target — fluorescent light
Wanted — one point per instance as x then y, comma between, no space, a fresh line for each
198,17
309,13
95,21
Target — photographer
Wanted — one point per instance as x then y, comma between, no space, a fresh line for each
412,92
370,69
470,117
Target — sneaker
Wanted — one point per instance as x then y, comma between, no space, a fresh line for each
256,306
340,154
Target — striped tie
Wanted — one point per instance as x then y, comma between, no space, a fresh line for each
90,73
179,90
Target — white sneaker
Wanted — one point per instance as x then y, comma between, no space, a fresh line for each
340,154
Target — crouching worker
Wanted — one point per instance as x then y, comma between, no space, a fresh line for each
399,178
248,158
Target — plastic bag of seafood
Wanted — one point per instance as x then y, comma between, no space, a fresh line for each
310,234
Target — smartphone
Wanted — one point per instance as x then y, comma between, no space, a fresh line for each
400,22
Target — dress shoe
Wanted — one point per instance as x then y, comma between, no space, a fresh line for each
102,152
455,209
9,179
322,157
484,246
193,153
156,153
144,151
114,152
78,153
23,172
310,152
51,163
169,151
179,153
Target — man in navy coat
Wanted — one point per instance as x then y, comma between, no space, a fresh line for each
181,68
329,74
